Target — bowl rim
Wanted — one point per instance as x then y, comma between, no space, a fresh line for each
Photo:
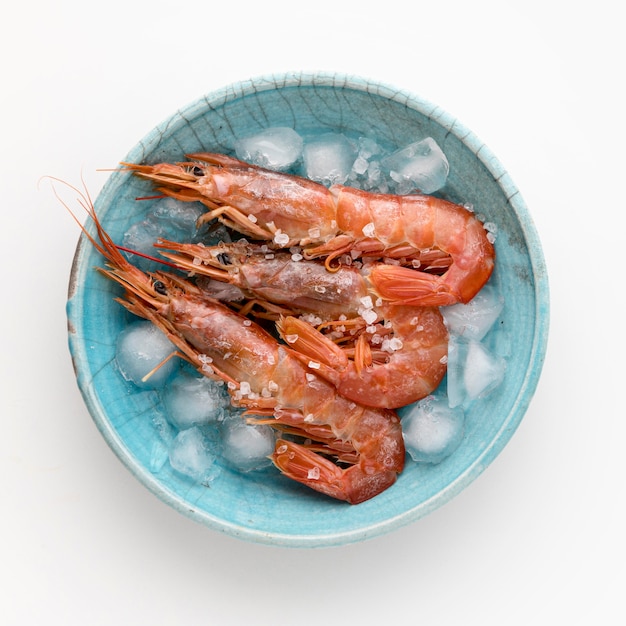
268,82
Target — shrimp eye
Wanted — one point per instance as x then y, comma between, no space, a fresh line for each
197,171
159,287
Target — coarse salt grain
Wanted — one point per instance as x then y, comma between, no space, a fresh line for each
253,218
314,365
395,343
313,473
369,229
280,238
370,316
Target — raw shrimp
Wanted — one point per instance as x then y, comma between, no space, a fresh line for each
399,353
265,378
289,210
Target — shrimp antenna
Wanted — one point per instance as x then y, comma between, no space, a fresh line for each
85,201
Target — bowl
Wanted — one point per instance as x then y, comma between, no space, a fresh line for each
264,506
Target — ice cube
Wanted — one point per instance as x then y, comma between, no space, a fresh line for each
277,148
247,446
193,400
191,454
431,429
474,319
421,165
484,371
140,237
178,219
473,371
328,159
140,348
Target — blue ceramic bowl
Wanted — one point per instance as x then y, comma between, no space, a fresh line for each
266,507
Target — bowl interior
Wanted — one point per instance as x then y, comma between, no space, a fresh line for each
264,506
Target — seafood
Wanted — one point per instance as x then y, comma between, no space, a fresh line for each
317,426
398,353
328,223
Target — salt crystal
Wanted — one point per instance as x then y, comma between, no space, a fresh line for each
247,322
369,316
296,257
280,238
369,230
272,386
253,218
291,338
277,148
314,365
314,233
367,302
395,344
313,473
244,388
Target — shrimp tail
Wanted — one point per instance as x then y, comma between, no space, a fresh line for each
402,285
312,348
353,485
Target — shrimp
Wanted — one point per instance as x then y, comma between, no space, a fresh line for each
399,353
289,210
318,427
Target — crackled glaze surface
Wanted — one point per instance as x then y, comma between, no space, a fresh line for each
265,507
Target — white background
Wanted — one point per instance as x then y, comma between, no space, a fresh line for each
538,538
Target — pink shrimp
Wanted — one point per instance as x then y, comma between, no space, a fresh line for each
396,354
288,210
265,378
